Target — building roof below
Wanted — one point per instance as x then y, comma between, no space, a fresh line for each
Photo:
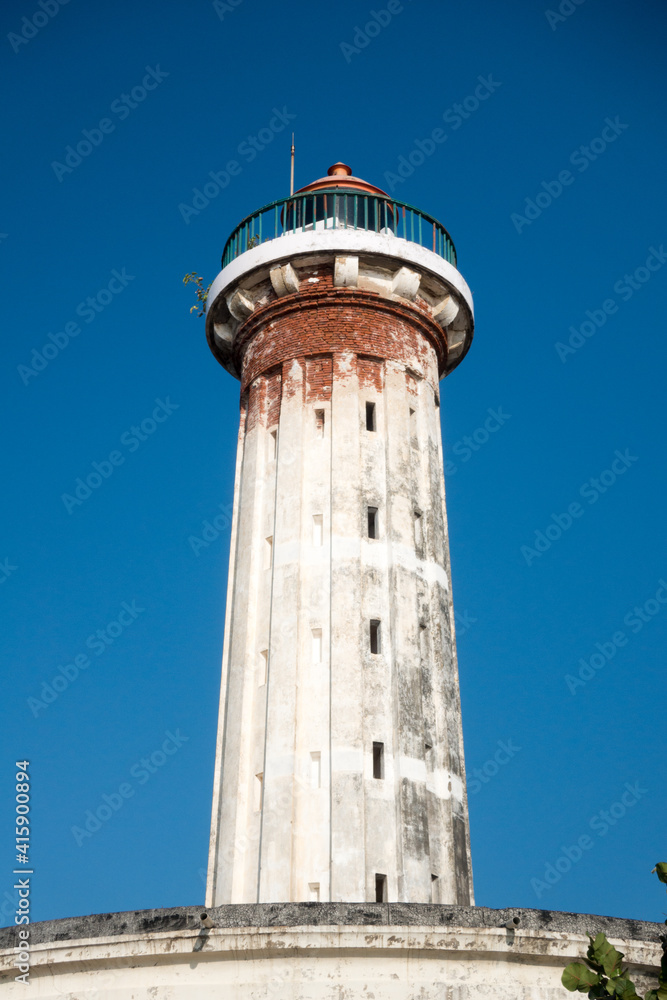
264,915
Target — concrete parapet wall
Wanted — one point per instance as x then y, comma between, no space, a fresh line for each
318,951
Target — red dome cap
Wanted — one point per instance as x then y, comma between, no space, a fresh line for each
340,175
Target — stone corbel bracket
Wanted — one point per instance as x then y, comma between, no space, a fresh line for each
392,268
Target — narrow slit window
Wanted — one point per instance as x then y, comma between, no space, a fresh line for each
317,645
263,666
259,779
317,530
373,527
434,889
273,444
380,888
316,769
419,529
378,760
413,421
268,552
319,423
375,636
314,892
370,416
423,641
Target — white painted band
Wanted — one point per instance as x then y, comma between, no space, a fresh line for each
291,245
347,759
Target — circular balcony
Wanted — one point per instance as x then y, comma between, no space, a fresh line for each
339,208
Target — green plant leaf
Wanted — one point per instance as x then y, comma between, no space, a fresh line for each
661,870
662,978
590,954
599,991
578,977
604,954
623,988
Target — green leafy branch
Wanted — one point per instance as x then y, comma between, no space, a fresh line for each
198,281
603,974
200,291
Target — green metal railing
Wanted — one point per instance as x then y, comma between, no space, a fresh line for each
339,208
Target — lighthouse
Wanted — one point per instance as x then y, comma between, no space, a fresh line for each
339,770
339,807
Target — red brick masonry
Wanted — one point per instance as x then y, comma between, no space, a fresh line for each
329,321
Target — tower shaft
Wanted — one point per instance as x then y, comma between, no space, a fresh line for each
339,769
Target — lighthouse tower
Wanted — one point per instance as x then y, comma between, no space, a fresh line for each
339,804
339,766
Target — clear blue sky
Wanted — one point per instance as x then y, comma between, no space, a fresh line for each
527,619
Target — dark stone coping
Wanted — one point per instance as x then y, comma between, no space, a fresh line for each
274,915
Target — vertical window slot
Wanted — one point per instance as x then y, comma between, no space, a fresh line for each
375,636
257,796
413,422
316,770
319,423
380,888
263,666
419,529
314,892
378,760
317,530
434,889
268,552
273,444
423,642
373,528
317,645
370,416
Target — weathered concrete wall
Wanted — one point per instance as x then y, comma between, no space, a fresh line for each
317,952
298,813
